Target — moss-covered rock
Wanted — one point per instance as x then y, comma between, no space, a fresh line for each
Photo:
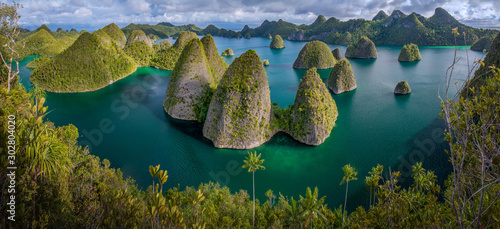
363,49
191,84
228,52
277,42
138,35
342,77
116,34
140,52
402,88
266,62
214,59
409,52
166,59
92,62
314,112
240,111
337,54
315,54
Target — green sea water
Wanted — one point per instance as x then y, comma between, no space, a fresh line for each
125,123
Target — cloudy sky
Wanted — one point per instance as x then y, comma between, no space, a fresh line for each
233,14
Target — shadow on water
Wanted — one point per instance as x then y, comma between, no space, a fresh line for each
426,146
323,73
408,64
362,62
401,100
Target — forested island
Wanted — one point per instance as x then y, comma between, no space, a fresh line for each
59,183
395,29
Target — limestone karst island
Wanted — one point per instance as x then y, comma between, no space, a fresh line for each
249,114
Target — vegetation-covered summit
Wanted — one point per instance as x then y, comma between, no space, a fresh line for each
240,111
314,112
92,62
277,42
342,77
409,52
138,35
166,59
402,88
314,54
214,59
116,34
227,52
363,49
396,29
191,84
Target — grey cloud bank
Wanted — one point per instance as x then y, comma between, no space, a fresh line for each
97,13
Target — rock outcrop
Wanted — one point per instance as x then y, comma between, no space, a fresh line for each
363,49
409,52
240,111
337,54
266,62
314,112
315,54
138,35
342,78
228,52
402,88
116,34
277,42
214,59
191,84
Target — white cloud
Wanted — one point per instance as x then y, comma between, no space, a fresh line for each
83,12
97,13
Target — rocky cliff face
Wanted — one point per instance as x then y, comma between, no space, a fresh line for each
409,52
342,77
337,54
277,42
191,84
315,54
214,59
240,111
402,88
314,112
363,49
139,35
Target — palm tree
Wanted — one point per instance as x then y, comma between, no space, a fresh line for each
350,173
373,180
154,170
253,163
311,206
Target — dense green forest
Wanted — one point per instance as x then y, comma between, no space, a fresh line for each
59,183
